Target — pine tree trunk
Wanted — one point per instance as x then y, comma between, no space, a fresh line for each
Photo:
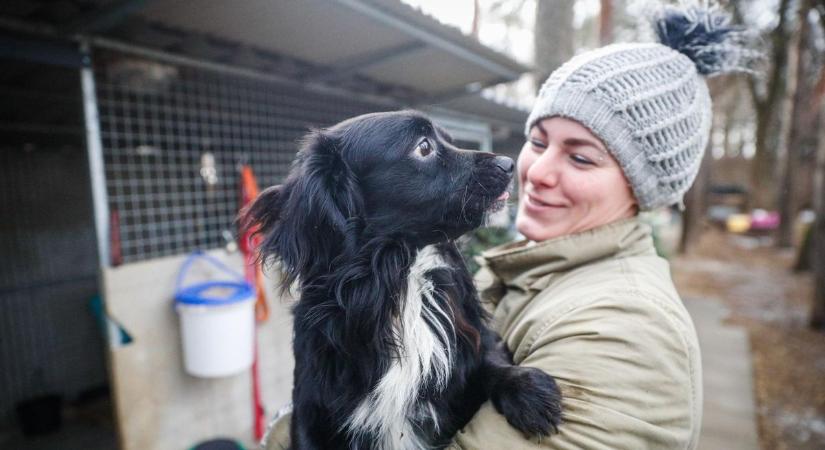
763,175
553,36
789,132
764,160
606,22
696,205
818,234
476,19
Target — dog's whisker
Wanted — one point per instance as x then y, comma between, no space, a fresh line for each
484,188
464,200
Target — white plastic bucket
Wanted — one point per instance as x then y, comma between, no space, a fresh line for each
217,320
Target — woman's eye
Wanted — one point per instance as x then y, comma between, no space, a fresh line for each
580,159
537,145
424,148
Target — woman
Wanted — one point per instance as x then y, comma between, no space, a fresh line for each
614,131
585,297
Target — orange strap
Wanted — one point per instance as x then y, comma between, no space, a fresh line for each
261,307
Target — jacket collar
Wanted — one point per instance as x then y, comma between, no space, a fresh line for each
522,263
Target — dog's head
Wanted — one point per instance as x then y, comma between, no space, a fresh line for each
383,174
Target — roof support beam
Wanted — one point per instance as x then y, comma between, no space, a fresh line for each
104,18
430,38
470,89
40,51
363,61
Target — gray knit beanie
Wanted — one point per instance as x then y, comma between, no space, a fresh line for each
649,103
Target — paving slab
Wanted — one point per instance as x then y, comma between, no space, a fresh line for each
729,415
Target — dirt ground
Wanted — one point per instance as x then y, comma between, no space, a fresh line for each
755,281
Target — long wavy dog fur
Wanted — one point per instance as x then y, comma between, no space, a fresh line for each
390,342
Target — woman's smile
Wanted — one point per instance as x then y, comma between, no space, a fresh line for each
540,206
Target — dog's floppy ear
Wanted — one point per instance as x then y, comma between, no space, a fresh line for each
311,218
264,211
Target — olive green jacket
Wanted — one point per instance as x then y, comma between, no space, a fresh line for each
598,311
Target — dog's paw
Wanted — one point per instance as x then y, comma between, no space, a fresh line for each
530,400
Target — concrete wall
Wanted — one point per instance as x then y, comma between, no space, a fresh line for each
158,406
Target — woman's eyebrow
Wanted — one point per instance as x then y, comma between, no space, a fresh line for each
576,142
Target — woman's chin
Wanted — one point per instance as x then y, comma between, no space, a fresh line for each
534,230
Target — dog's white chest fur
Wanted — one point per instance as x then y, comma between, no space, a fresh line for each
387,410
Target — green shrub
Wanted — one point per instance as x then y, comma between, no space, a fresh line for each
472,244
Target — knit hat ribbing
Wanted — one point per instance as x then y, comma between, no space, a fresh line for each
648,103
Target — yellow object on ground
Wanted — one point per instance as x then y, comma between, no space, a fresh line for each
738,223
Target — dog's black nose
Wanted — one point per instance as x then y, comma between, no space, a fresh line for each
506,164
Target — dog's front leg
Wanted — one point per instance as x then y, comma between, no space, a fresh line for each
527,397
302,438
312,429
310,425
304,429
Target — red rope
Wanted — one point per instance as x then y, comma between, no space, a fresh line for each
254,275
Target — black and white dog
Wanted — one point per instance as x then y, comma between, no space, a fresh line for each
391,347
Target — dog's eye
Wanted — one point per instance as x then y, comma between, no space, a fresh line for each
424,148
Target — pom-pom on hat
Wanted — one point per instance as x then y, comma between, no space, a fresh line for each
649,103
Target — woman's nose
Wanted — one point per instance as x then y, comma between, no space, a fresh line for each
544,170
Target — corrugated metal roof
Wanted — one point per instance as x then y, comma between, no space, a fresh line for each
381,47
394,43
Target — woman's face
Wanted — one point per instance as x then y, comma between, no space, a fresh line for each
568,182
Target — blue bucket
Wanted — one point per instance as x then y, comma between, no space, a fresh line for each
235,290
217,320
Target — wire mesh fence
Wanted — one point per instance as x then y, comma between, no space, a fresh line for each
49,342
173,138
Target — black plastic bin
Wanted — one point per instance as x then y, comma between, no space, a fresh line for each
40,415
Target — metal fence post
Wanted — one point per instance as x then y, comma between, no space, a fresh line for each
94,148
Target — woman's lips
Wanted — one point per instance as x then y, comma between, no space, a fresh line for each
536,204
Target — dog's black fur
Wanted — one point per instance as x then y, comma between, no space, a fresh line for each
362,199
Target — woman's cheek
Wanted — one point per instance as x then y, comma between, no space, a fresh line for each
579,187
523,163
